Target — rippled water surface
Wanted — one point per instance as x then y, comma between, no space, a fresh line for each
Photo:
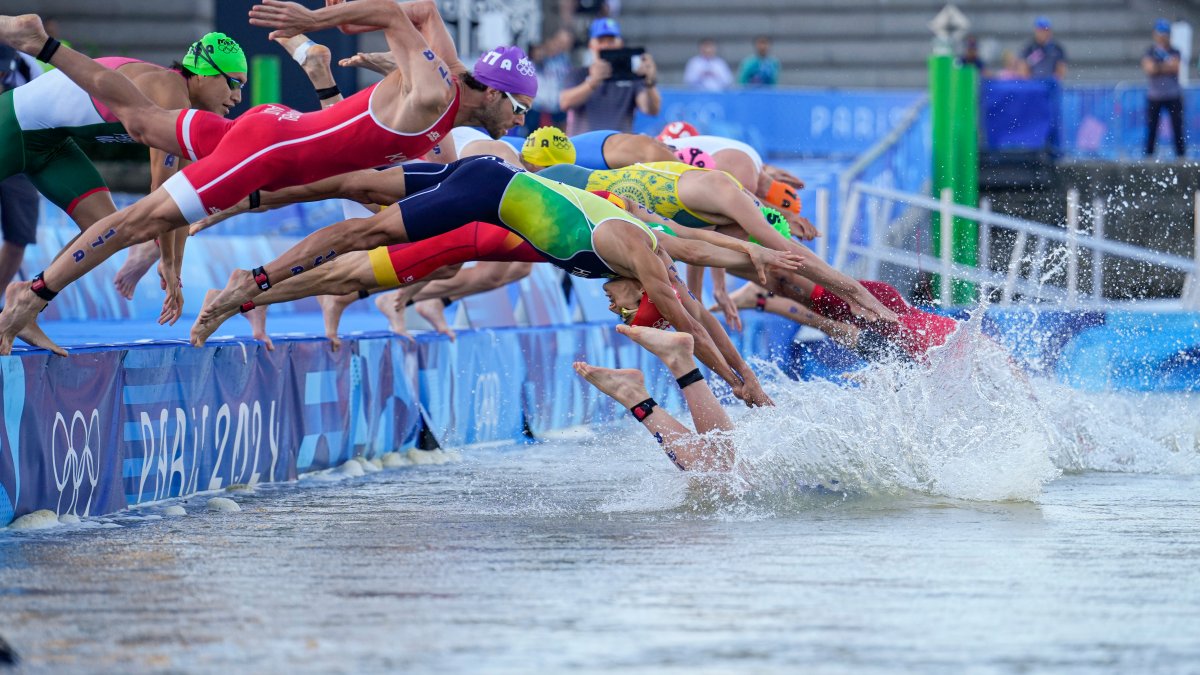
963,518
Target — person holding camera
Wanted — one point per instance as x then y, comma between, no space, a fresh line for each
604,94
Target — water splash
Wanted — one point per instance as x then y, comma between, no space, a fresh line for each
969,425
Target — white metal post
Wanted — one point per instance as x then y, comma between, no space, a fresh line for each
1191,289
1072,247
846,227
985,234
1098,216
823,223
1014,267
947,245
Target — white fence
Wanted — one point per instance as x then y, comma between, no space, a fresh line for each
1026,275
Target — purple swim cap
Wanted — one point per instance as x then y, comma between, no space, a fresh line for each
507,69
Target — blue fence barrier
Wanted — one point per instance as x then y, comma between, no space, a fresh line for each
106,429
789,122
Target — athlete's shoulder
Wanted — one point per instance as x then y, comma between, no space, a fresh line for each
165,87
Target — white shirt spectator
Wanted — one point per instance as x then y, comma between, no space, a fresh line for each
706,70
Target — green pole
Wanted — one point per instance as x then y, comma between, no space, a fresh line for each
941,111
966,176
264,79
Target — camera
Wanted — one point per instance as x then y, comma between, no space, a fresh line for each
625,62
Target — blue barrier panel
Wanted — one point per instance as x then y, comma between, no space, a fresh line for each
470,389
788,122
1020,114
108,428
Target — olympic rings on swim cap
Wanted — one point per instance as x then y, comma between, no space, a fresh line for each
674,130
696,157
548,146
213,54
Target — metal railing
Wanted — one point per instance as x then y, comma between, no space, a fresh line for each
1069,240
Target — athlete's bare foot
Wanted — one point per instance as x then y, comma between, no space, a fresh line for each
257,318
141,258
675,349
238,291
332,307
627,386
21,307
24,32
395,315
33,335
434,312
315,59
204,328
380,62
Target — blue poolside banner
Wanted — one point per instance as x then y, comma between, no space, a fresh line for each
788,122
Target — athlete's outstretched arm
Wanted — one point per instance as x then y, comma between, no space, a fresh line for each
145,122
365,187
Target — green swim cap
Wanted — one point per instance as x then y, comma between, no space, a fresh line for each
777,221
213,51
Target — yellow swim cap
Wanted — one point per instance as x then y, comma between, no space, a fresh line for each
548,146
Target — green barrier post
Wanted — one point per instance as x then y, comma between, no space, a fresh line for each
264,80
966,176
941,111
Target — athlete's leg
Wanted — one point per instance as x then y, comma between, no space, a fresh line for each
257,318
686,449
314,59
348,274
145,122
142,221
440,198
483,277
676,354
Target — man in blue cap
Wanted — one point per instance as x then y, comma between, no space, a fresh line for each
593,100
1161,64
1043,58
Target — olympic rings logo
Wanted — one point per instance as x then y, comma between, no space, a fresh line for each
79,461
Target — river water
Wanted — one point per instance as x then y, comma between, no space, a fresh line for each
962,518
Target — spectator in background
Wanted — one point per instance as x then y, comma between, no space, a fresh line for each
552,59
1043,58
1011,67
706,70
592,100
18,196
760,69
1161,64
970,55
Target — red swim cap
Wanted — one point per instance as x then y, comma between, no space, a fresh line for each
675,130
648,315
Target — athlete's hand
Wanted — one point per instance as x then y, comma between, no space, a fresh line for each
785,177
868,307
726,304
801,226
753,395
172,307
648,69
765,258
289,18
599,71
379,62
